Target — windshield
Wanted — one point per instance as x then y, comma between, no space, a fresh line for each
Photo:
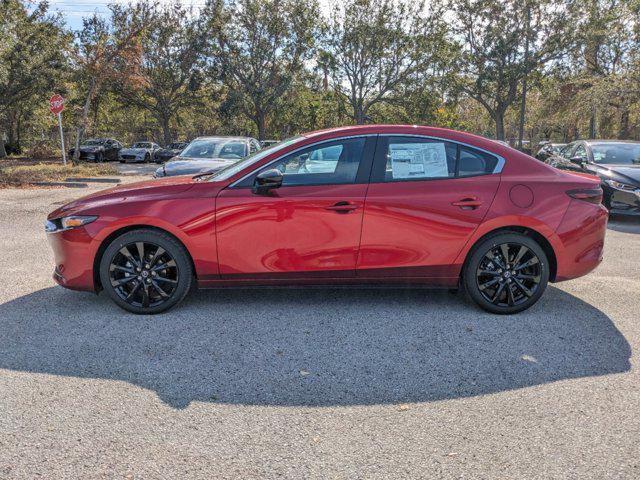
141,145
231,170
94,142
216,148
616,153
176,146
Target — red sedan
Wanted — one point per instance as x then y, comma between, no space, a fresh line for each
381,204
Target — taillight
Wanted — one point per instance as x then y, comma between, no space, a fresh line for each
591,195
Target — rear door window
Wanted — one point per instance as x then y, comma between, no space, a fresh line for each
416,158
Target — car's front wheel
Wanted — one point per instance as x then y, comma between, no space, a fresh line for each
506,273
146,271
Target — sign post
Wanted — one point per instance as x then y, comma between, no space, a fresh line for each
56,105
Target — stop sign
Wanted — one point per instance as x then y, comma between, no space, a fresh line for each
56,104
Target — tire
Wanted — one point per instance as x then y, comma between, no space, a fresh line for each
128,282
99,158
147,158
497,289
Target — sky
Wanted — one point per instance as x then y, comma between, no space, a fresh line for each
74,10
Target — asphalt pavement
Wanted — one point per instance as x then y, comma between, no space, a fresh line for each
314,383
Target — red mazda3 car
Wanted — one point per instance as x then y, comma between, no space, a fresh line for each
380,204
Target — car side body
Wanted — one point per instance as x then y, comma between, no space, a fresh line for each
99,150
168,152
373,229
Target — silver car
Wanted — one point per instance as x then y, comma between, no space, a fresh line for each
139,152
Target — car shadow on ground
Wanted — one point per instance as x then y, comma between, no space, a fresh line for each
315,347
624,224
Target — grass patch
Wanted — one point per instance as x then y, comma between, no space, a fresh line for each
19,175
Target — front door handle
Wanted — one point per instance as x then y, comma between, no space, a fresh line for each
467,203
342,207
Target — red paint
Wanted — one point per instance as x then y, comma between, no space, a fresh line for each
414,231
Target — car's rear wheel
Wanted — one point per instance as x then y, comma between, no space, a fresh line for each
146,271
506,273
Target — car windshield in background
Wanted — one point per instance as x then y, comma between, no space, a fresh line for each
216,148
94,142
176,146
616,153
141,145
231,170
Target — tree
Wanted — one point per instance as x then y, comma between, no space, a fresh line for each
165,75
503,42
261,46
32,60
379,47
101,44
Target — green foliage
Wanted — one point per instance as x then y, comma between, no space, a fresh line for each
276,68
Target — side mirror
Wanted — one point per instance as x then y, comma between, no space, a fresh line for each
267,180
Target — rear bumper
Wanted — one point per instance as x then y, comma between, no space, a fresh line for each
74,251
581,235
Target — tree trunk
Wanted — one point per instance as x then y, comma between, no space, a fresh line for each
523,104
260,123
3,152
358,114
166,131
499,119
592,123
624,131
83,121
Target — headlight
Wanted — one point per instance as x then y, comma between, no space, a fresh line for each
66,223
622,186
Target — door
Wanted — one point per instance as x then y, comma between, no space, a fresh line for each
308,227
426,198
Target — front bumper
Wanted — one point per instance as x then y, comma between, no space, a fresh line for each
624,202
74,251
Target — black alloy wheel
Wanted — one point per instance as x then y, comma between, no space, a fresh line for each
507,273
146,271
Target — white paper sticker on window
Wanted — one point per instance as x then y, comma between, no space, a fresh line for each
418,160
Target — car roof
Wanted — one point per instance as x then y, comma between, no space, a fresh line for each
224,137
421,130
593,141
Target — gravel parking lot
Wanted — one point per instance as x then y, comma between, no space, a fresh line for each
314,383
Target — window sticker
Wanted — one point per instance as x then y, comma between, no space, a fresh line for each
418,160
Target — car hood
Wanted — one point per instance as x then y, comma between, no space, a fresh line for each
631,172
191,166
147,190
134,151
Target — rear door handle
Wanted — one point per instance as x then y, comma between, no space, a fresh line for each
342,207
468,203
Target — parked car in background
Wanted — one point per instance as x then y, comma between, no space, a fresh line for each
548,149
615,162
208,154
99,150
139,152
268,143
168,152
383,204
